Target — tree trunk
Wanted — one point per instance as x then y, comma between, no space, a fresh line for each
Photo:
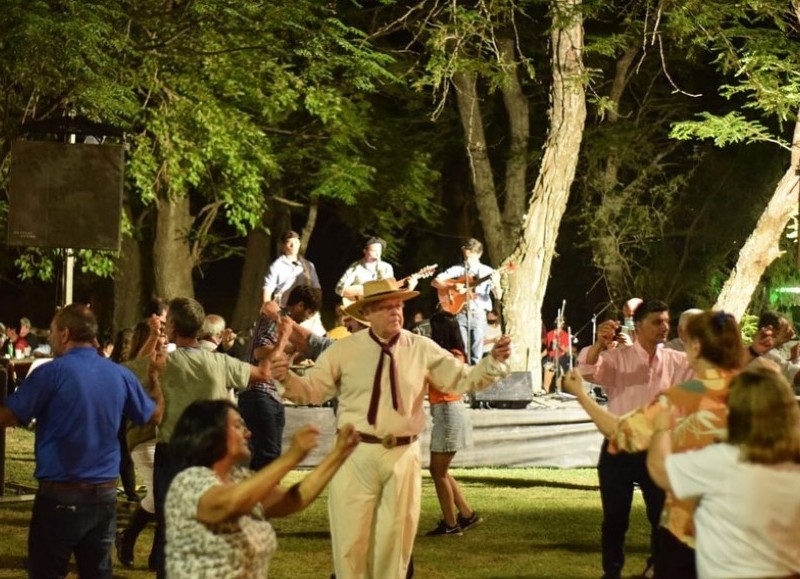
257,258
128,283
762,247
526,288
516,186
466,84
499,227
172,256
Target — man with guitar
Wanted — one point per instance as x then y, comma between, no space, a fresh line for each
368,268
465,290
371,268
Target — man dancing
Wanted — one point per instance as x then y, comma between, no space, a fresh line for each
379,375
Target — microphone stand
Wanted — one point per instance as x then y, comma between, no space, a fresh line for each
559,371
468,344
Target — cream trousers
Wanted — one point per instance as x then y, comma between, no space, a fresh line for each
373,506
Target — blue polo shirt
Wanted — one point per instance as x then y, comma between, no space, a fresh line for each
78,401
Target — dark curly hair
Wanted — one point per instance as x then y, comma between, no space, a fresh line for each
200,436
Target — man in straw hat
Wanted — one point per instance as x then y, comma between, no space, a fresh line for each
379,376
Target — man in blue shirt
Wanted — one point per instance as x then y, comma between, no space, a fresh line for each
78,401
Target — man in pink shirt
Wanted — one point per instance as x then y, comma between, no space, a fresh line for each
631,376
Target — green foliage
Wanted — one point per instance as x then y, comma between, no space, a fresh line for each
724,130
749,327
229,104
98,263
36,264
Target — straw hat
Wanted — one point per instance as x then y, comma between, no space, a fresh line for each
376,291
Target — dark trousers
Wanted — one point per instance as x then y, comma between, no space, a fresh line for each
163,473
72,521
674,559
127,474
265,417
618,473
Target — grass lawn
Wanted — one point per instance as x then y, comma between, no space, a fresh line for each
538,522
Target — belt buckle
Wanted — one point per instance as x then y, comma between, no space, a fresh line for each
389,441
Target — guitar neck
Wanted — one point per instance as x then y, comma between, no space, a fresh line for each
479,281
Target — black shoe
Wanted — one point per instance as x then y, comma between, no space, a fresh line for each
442,529
466,523
124,549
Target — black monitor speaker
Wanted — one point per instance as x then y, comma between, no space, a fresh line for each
513,391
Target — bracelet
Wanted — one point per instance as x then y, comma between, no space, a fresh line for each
752,351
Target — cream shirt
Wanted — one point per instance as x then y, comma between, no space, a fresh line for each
347,370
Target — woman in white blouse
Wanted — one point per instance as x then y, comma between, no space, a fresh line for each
217,510
748,519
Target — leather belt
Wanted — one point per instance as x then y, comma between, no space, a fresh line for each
75,486
387,440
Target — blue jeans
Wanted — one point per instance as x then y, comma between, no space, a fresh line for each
72,521
265,417
618,473
473,330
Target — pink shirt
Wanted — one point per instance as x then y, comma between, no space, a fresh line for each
630,378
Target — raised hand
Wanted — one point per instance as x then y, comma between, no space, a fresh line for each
305,439
228,338
158,361
347,438
606,332
154,322
270,310
764,340
662,420
502,348
573,383
285,329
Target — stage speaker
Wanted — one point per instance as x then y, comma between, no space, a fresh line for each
513,391
64,195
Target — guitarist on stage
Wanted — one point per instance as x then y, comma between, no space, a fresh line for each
469,302
368,268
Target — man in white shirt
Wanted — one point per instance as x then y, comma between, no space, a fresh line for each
288,271
370,267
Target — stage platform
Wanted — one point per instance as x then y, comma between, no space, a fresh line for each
550,432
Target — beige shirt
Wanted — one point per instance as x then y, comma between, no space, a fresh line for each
347,370
193,374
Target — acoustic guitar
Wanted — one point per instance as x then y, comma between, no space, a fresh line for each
426,271
452,301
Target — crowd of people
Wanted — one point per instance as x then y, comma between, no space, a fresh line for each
700,424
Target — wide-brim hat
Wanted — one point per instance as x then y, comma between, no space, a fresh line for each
376,291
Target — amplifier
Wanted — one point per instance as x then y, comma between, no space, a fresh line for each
513,391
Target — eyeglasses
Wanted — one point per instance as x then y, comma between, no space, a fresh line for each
389,307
